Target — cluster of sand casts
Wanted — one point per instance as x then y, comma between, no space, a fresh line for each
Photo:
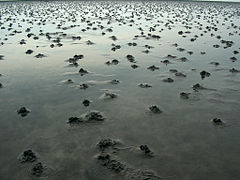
103,17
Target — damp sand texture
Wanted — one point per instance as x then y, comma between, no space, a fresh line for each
119,90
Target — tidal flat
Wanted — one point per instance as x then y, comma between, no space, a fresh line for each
102,90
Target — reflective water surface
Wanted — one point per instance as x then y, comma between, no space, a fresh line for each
185,141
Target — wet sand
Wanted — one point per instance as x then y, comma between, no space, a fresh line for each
119,90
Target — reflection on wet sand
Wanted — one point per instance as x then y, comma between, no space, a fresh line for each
163,76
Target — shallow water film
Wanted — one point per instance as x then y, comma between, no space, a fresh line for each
119,90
